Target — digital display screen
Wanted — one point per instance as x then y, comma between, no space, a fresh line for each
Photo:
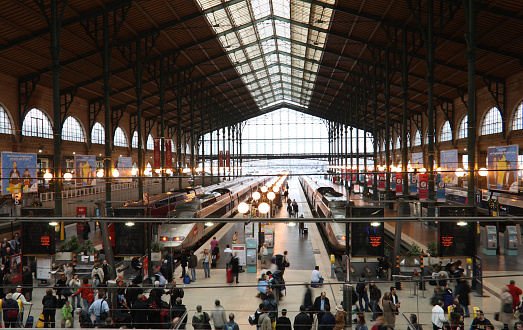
457,211
39,238
455,240
129,240
367,240
366,212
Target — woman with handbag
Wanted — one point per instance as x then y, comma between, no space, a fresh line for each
505,314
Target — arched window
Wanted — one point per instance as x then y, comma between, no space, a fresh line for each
150,142
173,147
408,141
98,134
37,123
417,138
383,145
492,122
5,122
72,130
446,132
391,145
149,168
398,143
134,142
120,138
463,132
517,120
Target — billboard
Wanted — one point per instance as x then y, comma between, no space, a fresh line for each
19,173
449,164
85,170
417,160
503,168
125,167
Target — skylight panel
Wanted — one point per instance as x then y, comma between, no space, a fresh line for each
260,8
248,35
240,13
282,8
265,29
283,29
301,11
208,3
274,69
253,51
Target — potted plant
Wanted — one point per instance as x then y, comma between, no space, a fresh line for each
88,248
432,250
66,250
156,251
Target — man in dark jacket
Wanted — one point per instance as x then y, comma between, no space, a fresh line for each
235,266
192,263
302,321
27,283
132,292
320,304
327,321
375,296
139,312
177,312
271,305
10,311
463,295
183,262
50,303
307,300
283,322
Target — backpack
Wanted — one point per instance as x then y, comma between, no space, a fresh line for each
49,304
186,279
360,288
229,327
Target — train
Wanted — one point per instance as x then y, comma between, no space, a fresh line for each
327,203
159,205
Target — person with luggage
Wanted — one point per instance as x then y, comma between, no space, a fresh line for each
84,319
235,266
18,295
295,208
215,255
67,315
228,256
192,263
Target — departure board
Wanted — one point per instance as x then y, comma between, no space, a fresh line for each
129,240
367,240
457,211
455,240
38,238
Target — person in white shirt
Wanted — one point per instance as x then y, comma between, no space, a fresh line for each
264,252
438,316
18,295
316,277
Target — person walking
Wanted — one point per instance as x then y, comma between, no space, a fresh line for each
389,311
218,316
295,208
283,322
227,254
515,292
505,313
264,252
438,316
192,263
302,321
206,259
85,291
200,320
231,325
50,302
375,295
100,309
361,289
463,296
18,295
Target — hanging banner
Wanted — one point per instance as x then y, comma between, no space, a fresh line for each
353,176
125,167
399,184
503,168
440,192
157,154
370,178
220,159
413,183
227,159
19,173
449,164
393,181
423,186
85,167
168,154
381,181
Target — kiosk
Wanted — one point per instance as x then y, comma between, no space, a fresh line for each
269,238
251,256
510,241
490,241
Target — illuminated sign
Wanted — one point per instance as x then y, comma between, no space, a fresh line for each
45,240
447,241
455,240
375,241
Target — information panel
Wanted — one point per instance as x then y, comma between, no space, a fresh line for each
457,211
455,240
130,239
39,238
367,237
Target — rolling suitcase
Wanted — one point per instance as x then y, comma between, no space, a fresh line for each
29,323
229,275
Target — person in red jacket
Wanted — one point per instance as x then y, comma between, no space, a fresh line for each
85,291
515,292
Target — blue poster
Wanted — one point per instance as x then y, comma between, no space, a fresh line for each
440,186
449,164
19,173
85,170
393,182
125,167
413,183
503,168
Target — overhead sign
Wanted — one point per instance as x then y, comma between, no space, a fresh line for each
18,173
38,238
455,240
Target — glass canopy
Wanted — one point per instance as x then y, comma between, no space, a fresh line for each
275,45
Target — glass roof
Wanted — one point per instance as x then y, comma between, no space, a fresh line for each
275,45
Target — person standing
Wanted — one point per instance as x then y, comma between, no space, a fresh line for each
375,295
227,253
394,297
206,261
214,242
75,284
283,322
295,208
67,314
192,263
139,311
327,321
360,322
264,252
235,238
18,295
320,304
218,315
361,289
505,313
438,316
84,291
183,262
302,321
97,271
200,320
389,311
231,325
178,311
464,296
480,322
27,283
107,271
10,311
340,318
235,266
100,310
515,292
50,303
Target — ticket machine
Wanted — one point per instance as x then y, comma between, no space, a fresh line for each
269,238
510,241
490,241
252,260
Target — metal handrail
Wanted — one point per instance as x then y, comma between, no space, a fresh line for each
176,326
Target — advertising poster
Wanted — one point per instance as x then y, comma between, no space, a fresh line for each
85,170
393,181
145,266
503,168
125,167
157,154
417,160
413,183
381,181
440,188
449,164
399,184
423,186
168,153
19,173
16,267
353,176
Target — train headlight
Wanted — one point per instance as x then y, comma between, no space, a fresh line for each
343,238
375,224
209,224
178,238
130,224
163,239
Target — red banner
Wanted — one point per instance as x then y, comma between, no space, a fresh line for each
220,159
227,159
381,181
354,176
168,154
423,186
370,179
399,184
157,154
